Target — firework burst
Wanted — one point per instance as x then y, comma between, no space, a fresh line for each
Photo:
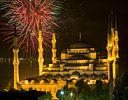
26,14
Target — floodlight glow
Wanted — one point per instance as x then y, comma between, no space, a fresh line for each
62,92
71,94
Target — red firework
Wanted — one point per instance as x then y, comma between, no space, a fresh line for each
26,14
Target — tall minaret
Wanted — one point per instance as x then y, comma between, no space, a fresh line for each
16,61
113,54
54,59
109,46
110,63
40,50
113,45
116,47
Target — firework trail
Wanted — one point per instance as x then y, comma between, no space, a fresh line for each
26,14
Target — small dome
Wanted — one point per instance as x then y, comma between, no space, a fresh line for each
40,77
52,82
57,76
49,76
93,76
42,81
84,76
76,73
79,44
25,81
74,81
67,76
102,75
32,81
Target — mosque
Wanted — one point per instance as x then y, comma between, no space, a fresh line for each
79,61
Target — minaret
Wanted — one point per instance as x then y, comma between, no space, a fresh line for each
113,45
109,46
54,59
113,54
110,63
40,50
116,47
16,61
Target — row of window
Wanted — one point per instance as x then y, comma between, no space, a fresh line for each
78,51
77,61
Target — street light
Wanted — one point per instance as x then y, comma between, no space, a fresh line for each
62,93
71,94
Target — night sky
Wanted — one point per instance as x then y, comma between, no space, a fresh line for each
90,17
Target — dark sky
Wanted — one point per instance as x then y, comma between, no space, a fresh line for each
90,17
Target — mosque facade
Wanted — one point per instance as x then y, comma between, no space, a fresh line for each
79,61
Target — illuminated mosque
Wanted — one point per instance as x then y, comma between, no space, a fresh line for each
79,61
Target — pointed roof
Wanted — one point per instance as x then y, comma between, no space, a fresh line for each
15,34
112,26
115,23
40,25
109,25
80,36
53,29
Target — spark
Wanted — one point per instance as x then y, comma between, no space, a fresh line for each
26,14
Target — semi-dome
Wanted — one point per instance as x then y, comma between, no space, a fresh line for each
84,76
57,76
79,44
49,76
67,76
92,76
76,73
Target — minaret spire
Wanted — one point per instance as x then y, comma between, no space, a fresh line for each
109,48
116,48
40,28
109,33
112,26
109,41
15,37
112,55
80,36
115,23
116,38
15,34
40,50
54,59
15,60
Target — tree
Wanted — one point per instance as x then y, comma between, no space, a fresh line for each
97,93
81,96
99,89
58,95
80,85
121,87
69,94
47,96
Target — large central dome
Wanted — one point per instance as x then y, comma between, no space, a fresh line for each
79,44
